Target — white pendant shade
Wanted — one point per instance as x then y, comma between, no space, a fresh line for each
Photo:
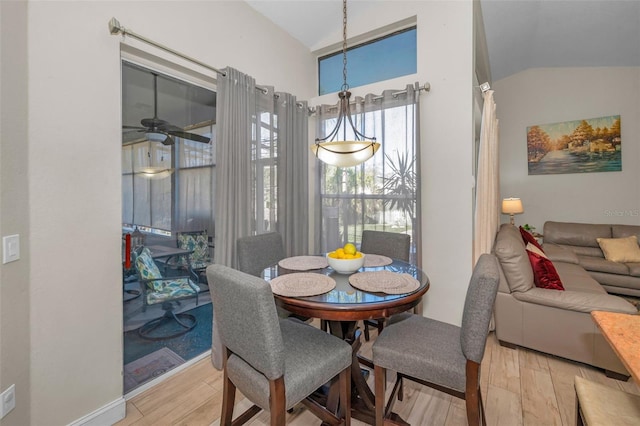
344,153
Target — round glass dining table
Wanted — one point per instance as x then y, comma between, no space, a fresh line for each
343,307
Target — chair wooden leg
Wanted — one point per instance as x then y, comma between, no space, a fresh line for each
472,393
380,374
345,396
277,402
482,416
366,330
228,399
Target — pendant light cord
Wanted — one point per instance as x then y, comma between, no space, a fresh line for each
345,86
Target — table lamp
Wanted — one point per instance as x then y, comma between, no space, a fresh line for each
512,206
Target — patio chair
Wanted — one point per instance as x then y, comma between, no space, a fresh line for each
198,243
437,354
166,291
390,244
276,363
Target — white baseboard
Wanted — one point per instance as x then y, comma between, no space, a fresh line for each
117,410
106,415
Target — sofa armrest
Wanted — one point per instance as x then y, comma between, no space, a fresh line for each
557,253
576,300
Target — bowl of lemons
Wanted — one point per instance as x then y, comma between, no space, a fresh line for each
345,260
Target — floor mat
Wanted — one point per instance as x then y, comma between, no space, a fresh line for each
187,346
149,367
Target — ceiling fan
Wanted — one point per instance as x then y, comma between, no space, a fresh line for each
158,130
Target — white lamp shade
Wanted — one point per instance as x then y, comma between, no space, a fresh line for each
345,153
512,206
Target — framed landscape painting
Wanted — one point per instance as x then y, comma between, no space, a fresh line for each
580,146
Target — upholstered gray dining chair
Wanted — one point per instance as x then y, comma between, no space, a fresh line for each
276,363
440,355
390,244
256,252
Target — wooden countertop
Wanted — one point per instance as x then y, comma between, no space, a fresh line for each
622,331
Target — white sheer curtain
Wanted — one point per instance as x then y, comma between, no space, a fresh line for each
382,193
487,211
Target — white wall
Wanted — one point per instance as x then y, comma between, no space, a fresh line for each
550,95
14,214
70,207
74,190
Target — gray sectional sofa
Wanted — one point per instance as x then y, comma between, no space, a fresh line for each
553,321
580,239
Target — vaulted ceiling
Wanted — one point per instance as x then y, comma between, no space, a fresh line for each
521,34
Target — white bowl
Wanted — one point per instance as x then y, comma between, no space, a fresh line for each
346,266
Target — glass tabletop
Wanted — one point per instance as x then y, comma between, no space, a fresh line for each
344,295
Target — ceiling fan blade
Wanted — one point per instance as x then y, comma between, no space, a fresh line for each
190,136
134,127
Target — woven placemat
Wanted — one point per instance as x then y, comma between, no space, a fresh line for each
373,260
303,263
302,284
384,282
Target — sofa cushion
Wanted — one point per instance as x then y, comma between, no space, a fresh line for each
620,249
576,300
544,273
620,231
528,238
558,253
634,269
575,234
575,278
514,261
599,264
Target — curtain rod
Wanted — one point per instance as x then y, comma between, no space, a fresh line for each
425,87
115,28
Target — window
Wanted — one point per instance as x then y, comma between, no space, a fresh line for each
381,193
384,58
181,197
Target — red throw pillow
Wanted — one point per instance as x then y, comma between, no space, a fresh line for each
528,238
544,273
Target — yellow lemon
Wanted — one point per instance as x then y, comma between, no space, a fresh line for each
350,249
358,255
339,253
349,256
332,254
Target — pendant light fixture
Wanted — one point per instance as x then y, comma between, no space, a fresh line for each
341,152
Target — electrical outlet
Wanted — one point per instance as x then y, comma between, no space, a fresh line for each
8,399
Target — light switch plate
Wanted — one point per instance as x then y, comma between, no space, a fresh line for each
10,248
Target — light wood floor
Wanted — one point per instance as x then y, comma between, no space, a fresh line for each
519,387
